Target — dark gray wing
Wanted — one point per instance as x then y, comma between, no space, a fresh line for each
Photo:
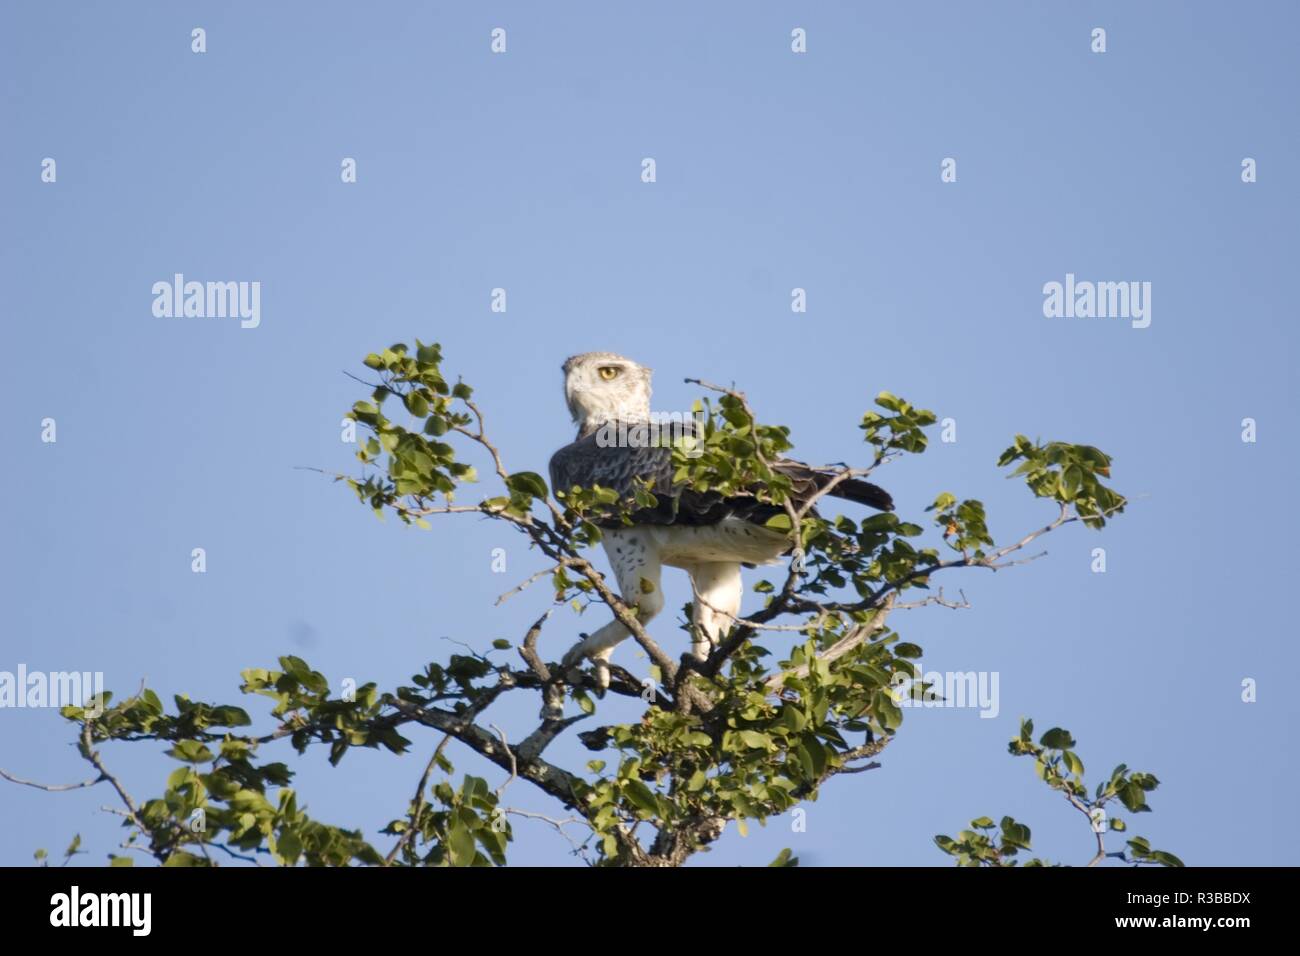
585,463
618,465
596,460
589,462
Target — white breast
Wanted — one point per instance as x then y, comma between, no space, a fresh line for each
732,539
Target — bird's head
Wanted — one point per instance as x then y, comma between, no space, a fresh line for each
602,387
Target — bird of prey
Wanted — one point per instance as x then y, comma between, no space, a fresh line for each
708,535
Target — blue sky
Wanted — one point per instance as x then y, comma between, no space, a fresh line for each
774,171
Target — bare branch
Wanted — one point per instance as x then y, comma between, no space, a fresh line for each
92,756
529,580
935,599
514,761
546,776
417,804
51,787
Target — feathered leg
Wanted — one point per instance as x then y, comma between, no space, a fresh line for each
635,560
718,589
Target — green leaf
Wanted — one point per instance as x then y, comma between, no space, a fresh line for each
288,847
460,844
416,404
1057,739
528,483
1071,479
190,751
1133,798
641,796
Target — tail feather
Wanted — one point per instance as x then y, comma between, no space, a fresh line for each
864,493
807,479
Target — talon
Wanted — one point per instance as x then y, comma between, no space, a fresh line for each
572,661
574,655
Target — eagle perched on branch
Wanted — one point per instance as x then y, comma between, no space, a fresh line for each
708,535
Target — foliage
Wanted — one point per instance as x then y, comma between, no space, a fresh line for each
1058,766
802,691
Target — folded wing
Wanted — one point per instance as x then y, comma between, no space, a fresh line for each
591,461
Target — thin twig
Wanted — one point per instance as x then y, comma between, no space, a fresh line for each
514,763
51,787
529,580
418,802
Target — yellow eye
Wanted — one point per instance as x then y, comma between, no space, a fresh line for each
609,372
